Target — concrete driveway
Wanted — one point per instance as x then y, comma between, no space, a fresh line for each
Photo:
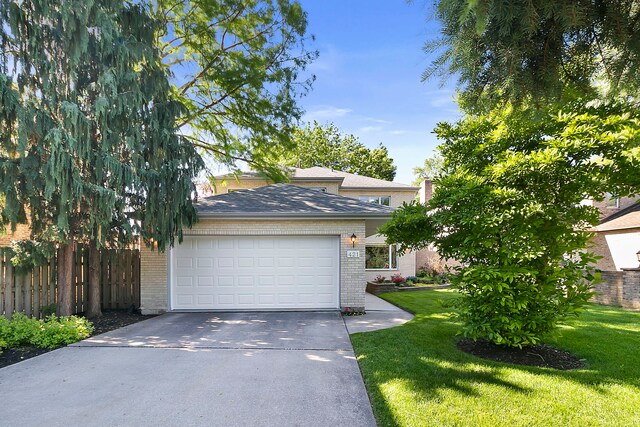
188,369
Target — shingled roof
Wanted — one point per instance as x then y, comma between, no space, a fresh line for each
287,200
626,218
316,173
349,180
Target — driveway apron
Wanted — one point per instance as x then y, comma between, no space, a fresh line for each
196,369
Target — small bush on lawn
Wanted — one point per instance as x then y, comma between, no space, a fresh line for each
49,333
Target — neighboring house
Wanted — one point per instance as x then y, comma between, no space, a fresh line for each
617,238
22,232
306,245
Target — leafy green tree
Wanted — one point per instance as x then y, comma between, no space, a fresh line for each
327,146
88,131
237,66
509,210
431,168
537,51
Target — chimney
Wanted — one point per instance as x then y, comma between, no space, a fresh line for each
426,191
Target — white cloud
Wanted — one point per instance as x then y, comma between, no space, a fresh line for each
326,112
370,129
398,132
374,120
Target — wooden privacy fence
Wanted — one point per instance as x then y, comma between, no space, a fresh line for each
30,292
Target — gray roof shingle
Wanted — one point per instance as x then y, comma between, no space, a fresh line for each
286,200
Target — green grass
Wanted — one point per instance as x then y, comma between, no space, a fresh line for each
416,377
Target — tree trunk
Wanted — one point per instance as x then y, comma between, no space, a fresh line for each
95,303
65,268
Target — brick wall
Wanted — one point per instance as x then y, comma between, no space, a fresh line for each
22,232
153,281
619,288
609,291
153,266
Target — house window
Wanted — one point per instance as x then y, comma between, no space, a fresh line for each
612,202
381,257
378,200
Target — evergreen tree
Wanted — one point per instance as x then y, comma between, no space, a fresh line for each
538,51
89,150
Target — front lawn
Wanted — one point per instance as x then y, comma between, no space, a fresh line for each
417,377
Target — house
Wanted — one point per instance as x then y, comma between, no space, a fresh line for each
617,238
309,244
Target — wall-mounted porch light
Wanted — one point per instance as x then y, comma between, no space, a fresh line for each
638,256
354,238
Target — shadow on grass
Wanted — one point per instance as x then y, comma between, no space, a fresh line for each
421,360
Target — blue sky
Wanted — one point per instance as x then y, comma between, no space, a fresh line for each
368,76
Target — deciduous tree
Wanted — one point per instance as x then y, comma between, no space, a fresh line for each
237,67
327,146
509,210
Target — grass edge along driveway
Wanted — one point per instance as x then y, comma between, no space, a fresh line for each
415,376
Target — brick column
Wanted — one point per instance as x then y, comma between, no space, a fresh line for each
631,288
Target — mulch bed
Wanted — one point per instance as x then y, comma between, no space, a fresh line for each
110,320
537,355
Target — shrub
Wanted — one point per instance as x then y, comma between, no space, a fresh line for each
4,327
20,330
380,279
397,279
65,330
413,279
49,333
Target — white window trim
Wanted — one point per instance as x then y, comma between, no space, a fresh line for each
397,267
375,197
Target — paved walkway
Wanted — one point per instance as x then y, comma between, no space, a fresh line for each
196,369
379,315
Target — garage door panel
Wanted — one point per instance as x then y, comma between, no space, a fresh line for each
225,281
225,262
204,262
257,272
205,281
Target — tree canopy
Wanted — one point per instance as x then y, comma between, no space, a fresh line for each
327,146
538,51
509,210
430,169
237,67
89,150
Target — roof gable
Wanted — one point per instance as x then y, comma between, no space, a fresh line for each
286,200
349,180
628,217
316,173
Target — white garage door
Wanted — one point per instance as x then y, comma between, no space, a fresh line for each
255,272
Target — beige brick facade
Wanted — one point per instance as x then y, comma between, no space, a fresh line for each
154,278
22,232
232,184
